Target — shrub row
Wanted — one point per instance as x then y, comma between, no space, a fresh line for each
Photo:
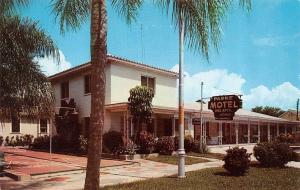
22,140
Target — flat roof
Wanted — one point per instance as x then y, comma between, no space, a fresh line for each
113,59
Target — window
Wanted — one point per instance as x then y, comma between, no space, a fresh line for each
87,84
149,82
64,90
15,124
43,125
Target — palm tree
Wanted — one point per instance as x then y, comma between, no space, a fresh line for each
199,23
23,87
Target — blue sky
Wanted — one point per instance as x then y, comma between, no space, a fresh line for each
259,53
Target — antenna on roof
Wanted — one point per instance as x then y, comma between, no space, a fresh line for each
142,45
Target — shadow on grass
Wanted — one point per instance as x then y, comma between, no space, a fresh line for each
223,173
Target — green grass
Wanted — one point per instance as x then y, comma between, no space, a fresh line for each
218,178
173,160
207,155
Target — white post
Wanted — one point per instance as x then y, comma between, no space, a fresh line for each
258,132
236,124
181,151
201,117
269,134
173,126
248,131
220,133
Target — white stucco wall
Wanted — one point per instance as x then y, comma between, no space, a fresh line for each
27,126
123,78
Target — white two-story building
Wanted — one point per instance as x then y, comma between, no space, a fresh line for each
121,76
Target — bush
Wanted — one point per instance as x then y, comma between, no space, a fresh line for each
130,150
83,144
1,140
41,142
147,143
196,147
27,139
273,154
237,161
165,145
112,140
286,138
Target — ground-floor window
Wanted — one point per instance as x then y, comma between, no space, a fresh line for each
243,133
263,133
43,125
15,124
228,133
253,133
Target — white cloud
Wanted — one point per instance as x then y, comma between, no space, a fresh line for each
49,66
218,82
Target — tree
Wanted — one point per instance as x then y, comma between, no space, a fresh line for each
23,86
140,106
272,111
201,25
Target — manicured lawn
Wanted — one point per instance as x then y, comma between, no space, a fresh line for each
173,160
207,155
218,178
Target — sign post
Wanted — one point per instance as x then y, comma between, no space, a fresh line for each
224,107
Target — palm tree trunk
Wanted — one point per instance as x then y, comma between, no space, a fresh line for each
98,60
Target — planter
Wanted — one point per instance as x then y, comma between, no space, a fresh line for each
129,157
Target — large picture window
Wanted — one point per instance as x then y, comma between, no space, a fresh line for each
64,90
148,82
15,124
87,84
43,125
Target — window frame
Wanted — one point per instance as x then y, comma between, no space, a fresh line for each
147,81
87,78
40,126
64,94
17,122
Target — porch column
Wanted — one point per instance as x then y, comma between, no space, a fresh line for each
173,126
285,128
248,131
220,133
277,129
155,126
269,135
236,124
258,132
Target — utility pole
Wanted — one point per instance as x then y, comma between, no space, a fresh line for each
201,120
181,151
297,116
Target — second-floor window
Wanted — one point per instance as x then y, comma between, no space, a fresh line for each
64,90
148,81
87,84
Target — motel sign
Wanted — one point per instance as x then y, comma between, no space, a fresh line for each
224,106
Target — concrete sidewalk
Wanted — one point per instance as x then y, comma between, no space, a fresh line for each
109,176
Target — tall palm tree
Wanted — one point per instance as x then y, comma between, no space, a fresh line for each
200,22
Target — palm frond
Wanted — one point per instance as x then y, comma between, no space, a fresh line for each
127,9
70,13
9,7
202,20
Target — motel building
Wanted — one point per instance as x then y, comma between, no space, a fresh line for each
122,75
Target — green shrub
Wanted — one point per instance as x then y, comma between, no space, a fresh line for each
1,140
129,149
196,147
165,145
27,139
237,161
273,154
286,138
7,141
83,143
147,143
188,143
112,140
41,142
